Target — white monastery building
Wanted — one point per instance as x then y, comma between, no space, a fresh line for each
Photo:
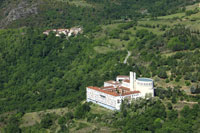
125,87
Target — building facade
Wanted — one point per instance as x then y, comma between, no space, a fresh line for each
125,87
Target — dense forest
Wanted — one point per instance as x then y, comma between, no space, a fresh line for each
55,14
41,72
52,69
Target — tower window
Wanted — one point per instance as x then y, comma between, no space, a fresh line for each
118,101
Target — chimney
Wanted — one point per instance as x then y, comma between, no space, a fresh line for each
131,81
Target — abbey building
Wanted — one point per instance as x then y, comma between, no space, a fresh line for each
125,87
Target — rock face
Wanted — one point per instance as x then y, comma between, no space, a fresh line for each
23,9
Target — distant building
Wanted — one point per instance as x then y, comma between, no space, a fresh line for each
125,87
66,32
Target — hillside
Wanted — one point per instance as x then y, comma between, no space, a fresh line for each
43,78
68,13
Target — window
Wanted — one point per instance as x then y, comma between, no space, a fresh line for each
118,101
102,96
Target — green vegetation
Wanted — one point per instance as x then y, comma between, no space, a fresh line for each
88,13
54,69
153,116
43,78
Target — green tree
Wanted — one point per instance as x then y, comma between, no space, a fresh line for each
157,123
174,99
185,111
162,73
62,120
47,121
172,115
169,106
81,110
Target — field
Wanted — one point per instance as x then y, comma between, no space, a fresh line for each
30,119
78,125
157,26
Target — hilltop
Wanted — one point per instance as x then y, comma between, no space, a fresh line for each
69,13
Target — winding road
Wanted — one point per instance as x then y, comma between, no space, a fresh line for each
125,60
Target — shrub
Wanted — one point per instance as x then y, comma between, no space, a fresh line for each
69,115
62,120
177,79
47,121
169,106
187,83
167,80
81,110
174,99
162,73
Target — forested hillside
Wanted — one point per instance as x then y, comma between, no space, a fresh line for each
65,13
43,77
47,68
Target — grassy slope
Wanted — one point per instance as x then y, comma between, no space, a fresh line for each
79,126
170,21
30,119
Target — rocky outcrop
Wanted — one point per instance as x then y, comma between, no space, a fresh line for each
21,10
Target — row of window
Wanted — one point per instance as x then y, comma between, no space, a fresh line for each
145,84
102,96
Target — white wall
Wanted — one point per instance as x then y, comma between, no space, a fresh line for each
106,84
102,98
131,81
145,87
125,84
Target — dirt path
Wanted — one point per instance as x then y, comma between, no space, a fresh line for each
189,102
125,60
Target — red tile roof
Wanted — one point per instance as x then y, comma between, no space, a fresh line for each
61,29
104,91
124,88
126,80
114,93
131,92
107,87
